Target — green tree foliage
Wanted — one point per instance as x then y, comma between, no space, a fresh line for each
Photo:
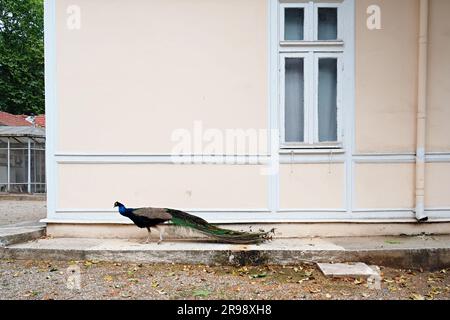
22,56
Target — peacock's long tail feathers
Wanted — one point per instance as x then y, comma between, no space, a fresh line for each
183,219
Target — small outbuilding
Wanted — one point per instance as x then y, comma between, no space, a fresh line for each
22,159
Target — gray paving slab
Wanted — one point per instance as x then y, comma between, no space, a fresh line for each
346,270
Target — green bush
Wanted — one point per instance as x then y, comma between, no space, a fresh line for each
22,56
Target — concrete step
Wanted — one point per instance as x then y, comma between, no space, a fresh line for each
428,253
20,233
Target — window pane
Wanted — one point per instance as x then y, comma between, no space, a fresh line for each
294,100
19,166
327,24
38,188
327,100
3,169
18,188
293,24
37,166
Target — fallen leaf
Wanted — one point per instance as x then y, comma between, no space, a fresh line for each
108,278
416,296
392,242
309,273
201,293
155,284
303,280
392,288
436,291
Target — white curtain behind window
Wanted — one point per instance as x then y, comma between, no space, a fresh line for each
327,100
294,104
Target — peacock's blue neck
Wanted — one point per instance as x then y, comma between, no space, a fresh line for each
124,211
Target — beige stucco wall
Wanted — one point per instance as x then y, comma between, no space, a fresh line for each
437,192
97,186
312,186
137,70
384,186
386,77
438,133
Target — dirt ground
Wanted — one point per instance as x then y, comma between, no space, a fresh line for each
98,280
12,212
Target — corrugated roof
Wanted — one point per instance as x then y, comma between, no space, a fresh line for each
21,131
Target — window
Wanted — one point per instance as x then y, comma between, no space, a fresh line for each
311,61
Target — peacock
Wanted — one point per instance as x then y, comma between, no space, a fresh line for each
155,217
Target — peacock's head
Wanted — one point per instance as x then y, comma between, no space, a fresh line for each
117,204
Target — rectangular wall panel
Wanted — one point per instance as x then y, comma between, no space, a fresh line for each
312,186
438,130
437,185
137,71
386,77
98,186
384,186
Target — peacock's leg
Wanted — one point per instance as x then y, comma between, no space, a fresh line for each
160,230
148,237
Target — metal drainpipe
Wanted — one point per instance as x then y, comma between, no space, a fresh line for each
29,165
9,166
421,215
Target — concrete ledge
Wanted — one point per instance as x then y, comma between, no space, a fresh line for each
13,234
429,253
282,230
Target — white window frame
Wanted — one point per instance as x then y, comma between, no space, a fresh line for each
340,21
307,20
315,118
312,50
307,66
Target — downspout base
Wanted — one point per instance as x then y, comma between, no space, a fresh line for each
422,220
421,215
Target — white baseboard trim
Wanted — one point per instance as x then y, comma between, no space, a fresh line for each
264,217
